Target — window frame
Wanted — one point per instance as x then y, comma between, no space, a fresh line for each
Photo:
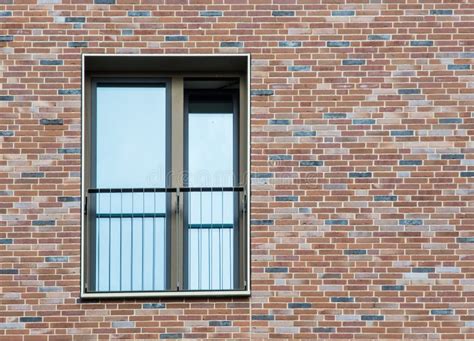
176,259
91,163
234,94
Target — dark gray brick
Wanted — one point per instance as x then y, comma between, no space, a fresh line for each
75,19
50,289
342,299
360,175
6,133
280,157
289,44
104,2
153,305
372,317
393,287
421,43
263,317
220,323
232,44
176,38
32,175
283,13
6,98
261,222
69,150
410,162
363,121
299,68
286,198
415,222
355,252
6,241
452,156
139,13
262,92
299,305
459,67
280,122
338,44
409,91
353,62
324,330
210,13
56,259
304,133
423,270
402,133
385,198
442,312
467,174
441,12
276,269
43,222
379,37
69,199
336,222
51,62
310,163
167,336
343,13
5,13
31,319
52,122
8,271
6,38
127,32
77,44
69,91
334,115
465,240
450,120
261,175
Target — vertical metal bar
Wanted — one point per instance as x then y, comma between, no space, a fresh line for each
210,235
131,244
221,230
143,242
110,237
189,233
200,240
98,244
154,238
231,270
120,248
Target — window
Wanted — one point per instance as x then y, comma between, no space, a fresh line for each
164,176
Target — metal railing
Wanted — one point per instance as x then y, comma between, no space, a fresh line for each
134,234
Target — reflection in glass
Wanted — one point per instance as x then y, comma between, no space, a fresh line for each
130,152
210,228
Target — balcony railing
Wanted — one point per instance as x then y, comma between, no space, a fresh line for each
164,239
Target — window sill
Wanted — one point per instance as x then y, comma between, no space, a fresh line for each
171,294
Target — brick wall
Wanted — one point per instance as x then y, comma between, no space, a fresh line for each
362,167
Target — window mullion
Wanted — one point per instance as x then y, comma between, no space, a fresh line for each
177,155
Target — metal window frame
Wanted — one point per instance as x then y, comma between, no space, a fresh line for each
215,94
120,82
244,255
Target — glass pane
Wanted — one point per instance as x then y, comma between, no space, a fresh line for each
210,214
130,228
131,137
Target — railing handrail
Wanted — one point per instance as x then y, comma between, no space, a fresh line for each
166,189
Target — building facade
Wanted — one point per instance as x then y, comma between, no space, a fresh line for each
358,198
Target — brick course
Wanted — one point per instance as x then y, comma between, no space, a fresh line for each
362,167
